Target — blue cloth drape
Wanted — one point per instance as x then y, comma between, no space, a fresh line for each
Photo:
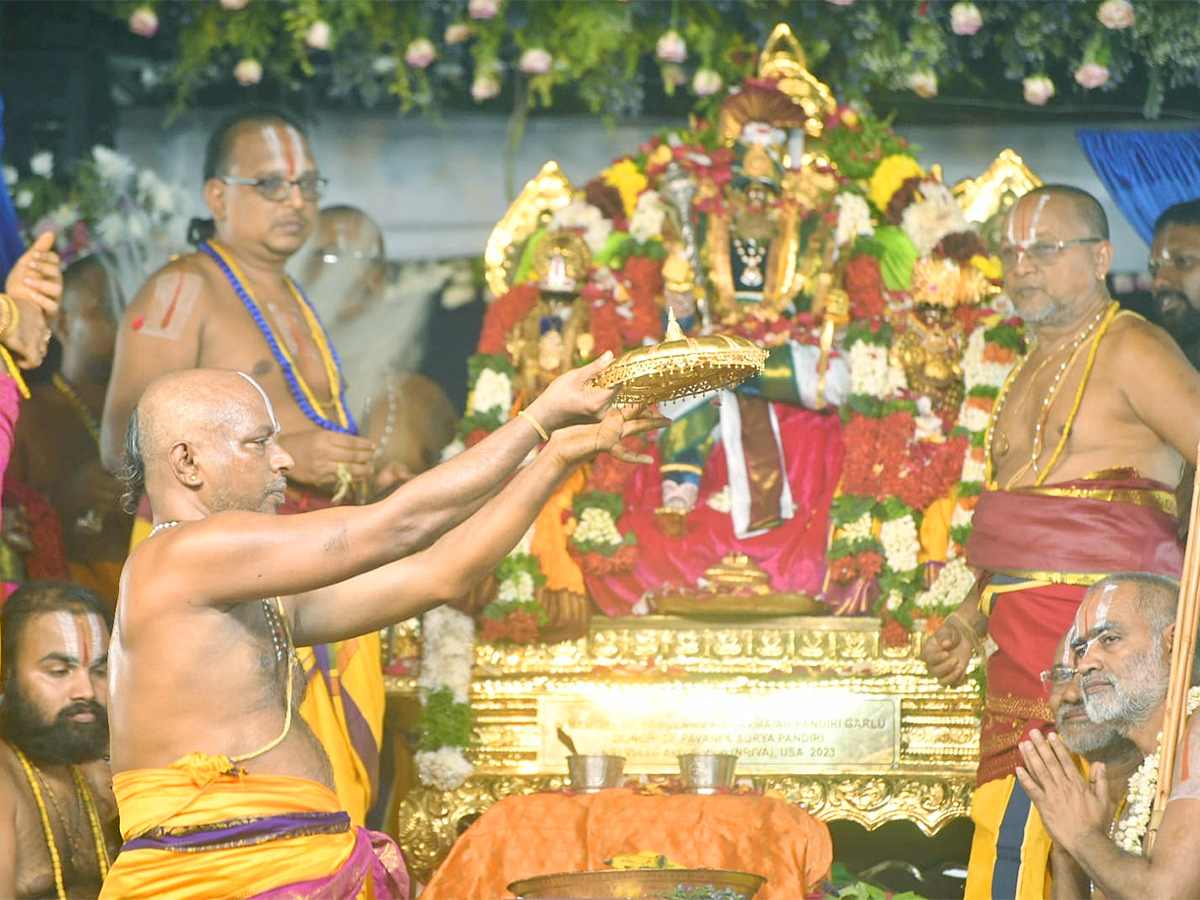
1145,171
11,246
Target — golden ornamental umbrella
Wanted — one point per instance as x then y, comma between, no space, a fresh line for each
682,366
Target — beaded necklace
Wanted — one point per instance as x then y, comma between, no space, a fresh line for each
48,830
300,390
85,414
1100,325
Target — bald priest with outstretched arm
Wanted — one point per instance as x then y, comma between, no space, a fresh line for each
222,788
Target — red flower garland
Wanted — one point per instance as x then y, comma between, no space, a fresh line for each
503,315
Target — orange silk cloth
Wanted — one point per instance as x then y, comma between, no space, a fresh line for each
1038,549
539,834
170,798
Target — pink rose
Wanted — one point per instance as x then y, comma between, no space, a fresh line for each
234,4
420,53
485,87
965,18
143,22
248,72
1116,14
318,35
840,2
671,47
706,82
1092,75
923,84
535,61
457,33
483,9
1038,89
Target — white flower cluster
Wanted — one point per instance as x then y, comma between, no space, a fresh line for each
447,652
900,543
978,371
517,588
894,601
930,219
953,582
493,390
445,769
648,216
596,526
872,373
859,529
1143,784
854,218
588,219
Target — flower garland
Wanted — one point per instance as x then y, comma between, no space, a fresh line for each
1143,785
991,352
447,655
595,542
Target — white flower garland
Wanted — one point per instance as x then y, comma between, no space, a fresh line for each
900,542
447,654
596,526
492,390
1143,785
854,218
648,217
582,215
955,580
872,373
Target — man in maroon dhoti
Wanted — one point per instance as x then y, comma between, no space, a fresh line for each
1085,449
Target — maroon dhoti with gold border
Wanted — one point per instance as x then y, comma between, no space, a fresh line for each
1038,549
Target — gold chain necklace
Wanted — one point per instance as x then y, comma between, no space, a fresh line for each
31,776
1101,321
81,410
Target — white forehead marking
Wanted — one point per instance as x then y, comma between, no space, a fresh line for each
93,621
270,134
70,634
1066,657
266,399
1042,200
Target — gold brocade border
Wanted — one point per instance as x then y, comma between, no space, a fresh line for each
429,821
1008,706
1161,501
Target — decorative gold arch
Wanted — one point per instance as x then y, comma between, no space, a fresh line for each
546,192
1006,180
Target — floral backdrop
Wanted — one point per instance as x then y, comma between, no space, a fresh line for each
610,53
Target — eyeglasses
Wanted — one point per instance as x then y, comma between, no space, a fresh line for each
277,188
1040,253
1056,675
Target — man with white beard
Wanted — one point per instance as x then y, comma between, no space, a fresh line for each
1121,645
377,326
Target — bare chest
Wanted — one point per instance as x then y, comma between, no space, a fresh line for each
278,342
70,854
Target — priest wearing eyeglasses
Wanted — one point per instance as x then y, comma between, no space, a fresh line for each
231,305
1084,451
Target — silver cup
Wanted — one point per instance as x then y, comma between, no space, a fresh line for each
591,772
707,773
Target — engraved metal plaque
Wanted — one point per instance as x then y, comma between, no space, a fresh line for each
793,729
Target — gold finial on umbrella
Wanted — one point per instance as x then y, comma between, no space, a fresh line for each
682,366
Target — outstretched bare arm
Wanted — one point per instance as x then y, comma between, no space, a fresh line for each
453,565
234,557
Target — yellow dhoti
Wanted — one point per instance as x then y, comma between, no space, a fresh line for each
243,836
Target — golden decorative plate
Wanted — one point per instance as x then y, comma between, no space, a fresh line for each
721,605
682,366
607,884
